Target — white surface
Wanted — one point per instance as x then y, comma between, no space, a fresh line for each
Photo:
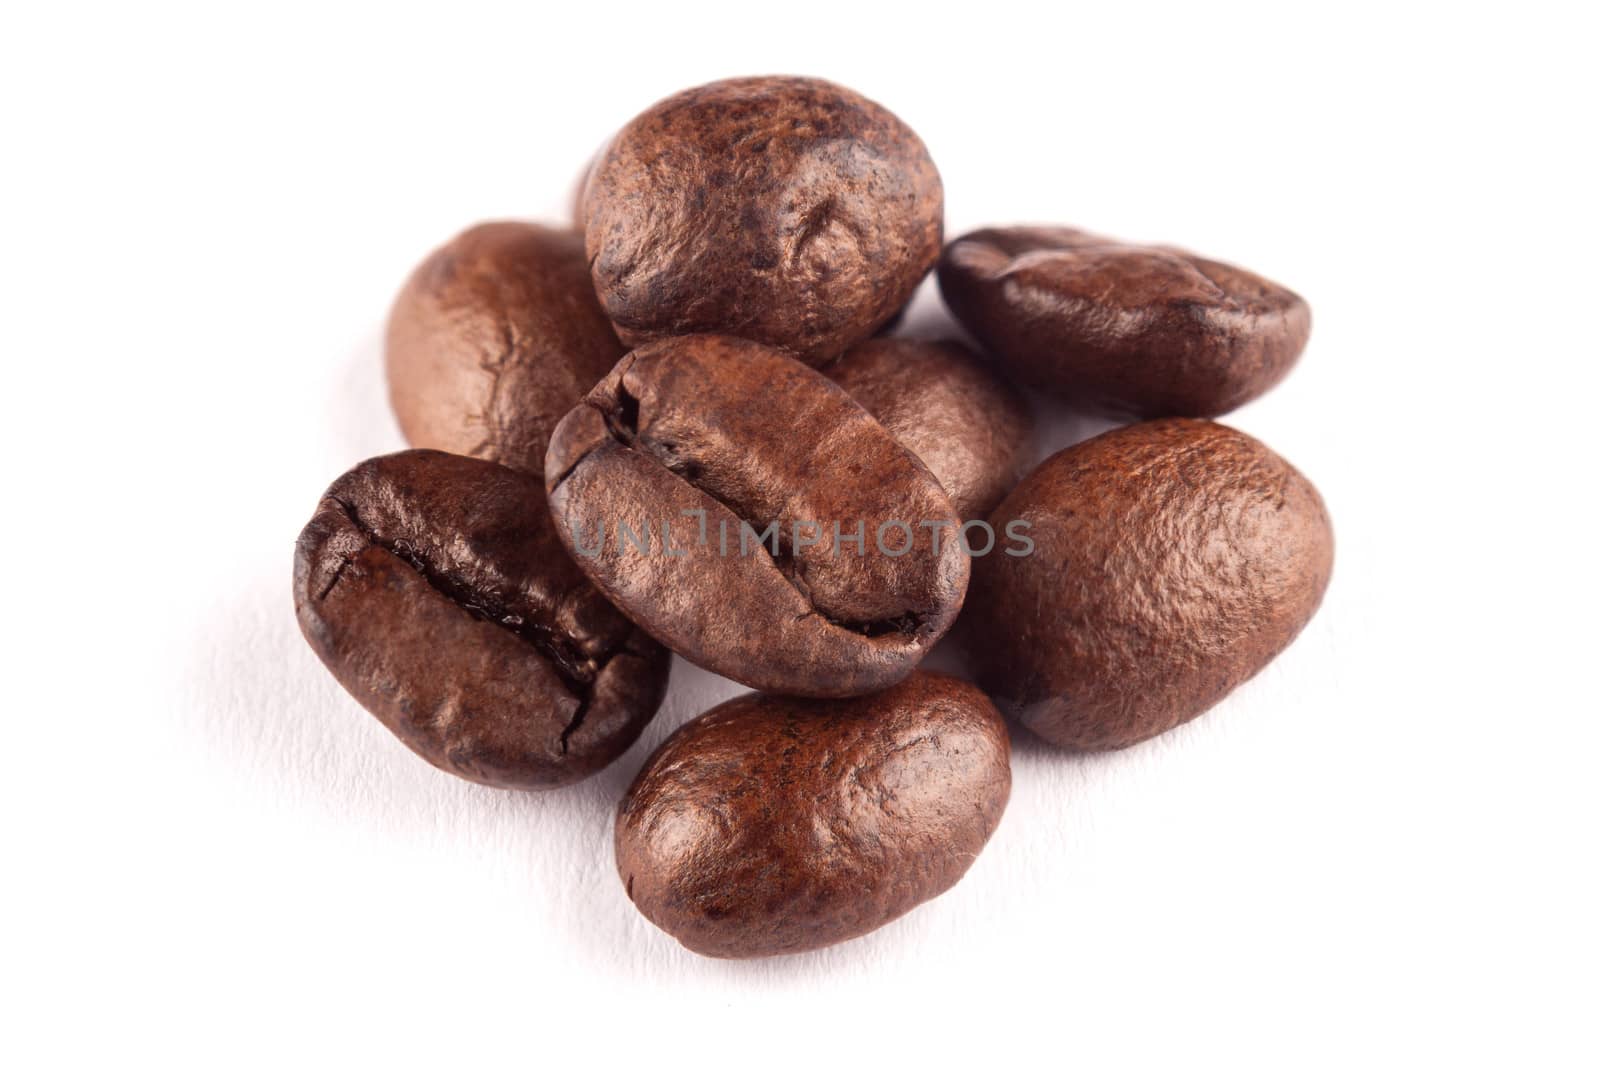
1383,848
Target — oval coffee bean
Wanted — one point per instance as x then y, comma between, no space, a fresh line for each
972,430
776,824
789,211
1123,329
750,515
494,338
435,590
1170,561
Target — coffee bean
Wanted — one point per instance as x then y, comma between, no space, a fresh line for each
494,338
789,211
972,430
434,588
711,440
1171,561
1141,330
776,824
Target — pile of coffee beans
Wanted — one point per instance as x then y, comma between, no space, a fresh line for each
680,426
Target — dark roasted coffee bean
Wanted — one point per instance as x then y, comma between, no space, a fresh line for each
1170,561
972,430
1123,329
435,590
789,211
720,442
777,824
493,339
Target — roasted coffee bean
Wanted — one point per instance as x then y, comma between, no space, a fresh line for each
1171,561
708,445
972,430
777,824
789,211
493,339
434,588
1122,329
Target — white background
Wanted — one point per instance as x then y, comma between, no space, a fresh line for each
1383,848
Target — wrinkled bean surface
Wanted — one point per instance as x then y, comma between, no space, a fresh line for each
790,211
434,588
718,436
1172,560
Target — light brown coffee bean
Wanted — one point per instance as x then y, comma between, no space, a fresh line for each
493,339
